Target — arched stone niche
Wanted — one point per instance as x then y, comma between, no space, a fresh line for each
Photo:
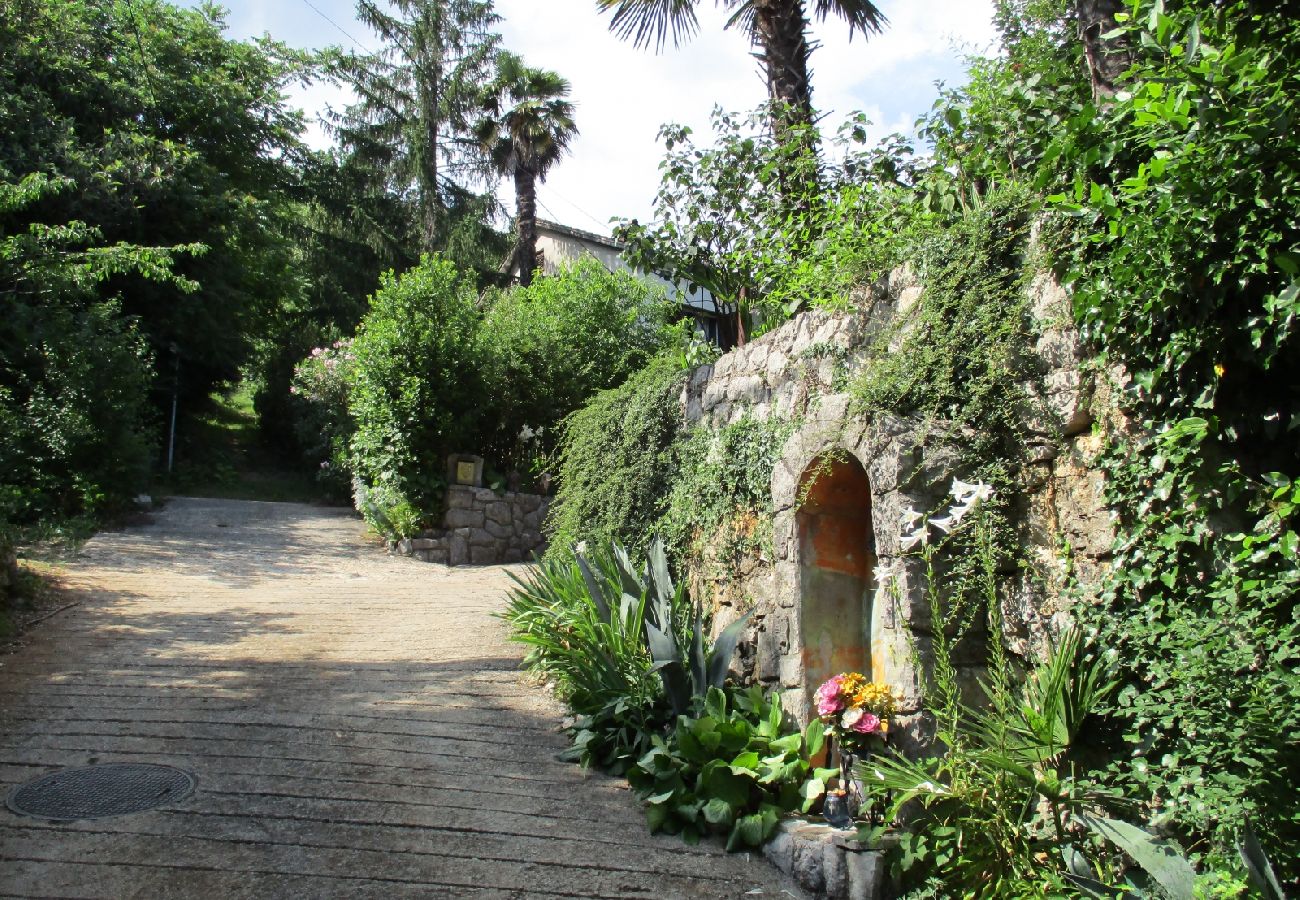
844,481
836,557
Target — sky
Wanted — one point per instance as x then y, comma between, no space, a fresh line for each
623,95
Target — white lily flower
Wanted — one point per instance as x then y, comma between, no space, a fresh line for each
947,523
919,535
884,574
962,490
911,517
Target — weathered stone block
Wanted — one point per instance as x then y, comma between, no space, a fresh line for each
458,548
809,865
420,544
460,497
866,875
499,531
500,511
463,518
485,554
512,555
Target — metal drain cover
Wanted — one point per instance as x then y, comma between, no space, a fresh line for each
97,792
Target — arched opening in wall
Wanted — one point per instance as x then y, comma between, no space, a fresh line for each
836,557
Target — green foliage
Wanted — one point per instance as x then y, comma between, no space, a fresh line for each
721,498
73,392
586,633
1186,272
618,460
552,345
416,392
760,223
689,670
410,127
998,802
961,358
625,649
320,414
161,139
730,769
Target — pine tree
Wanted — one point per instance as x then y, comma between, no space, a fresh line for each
417,99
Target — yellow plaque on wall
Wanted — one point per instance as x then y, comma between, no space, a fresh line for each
465,472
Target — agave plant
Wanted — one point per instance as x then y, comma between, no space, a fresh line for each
601,626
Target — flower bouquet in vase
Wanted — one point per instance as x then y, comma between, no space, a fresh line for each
856,712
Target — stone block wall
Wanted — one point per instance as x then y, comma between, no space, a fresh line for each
481,527
800,373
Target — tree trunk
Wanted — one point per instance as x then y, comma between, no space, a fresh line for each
430,201
781,35
1107,60
526,222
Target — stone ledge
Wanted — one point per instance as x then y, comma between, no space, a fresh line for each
829,862
481,527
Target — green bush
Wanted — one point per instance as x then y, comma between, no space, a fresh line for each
625,649
416,392
584,619
618,461
552,345
319,415
730,769
73,397
721,496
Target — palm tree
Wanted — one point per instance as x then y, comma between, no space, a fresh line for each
778,29
527,127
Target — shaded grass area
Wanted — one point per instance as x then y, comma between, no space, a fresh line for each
220,453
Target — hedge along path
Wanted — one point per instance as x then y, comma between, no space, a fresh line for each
356,723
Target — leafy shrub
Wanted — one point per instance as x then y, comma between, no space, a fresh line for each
618,460
73,397
416,390
585,618
728,218
1187,272
731,769
721,497
552,345
626,649
318,407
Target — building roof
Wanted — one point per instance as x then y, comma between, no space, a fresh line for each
588,236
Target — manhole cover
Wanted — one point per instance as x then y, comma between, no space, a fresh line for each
97,792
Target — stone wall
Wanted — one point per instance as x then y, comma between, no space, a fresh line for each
481,527
800,373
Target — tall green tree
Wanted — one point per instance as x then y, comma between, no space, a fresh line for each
418,99
778,30
147,170
168,135
527,127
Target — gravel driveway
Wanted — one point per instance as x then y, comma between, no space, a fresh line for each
355,723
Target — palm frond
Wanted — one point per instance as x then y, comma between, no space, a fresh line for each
862,15
652,23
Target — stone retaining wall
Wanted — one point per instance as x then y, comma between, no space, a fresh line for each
800,373
481,527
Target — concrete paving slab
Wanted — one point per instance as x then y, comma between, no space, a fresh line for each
356,723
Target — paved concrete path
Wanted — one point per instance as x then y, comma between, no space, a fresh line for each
356,724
